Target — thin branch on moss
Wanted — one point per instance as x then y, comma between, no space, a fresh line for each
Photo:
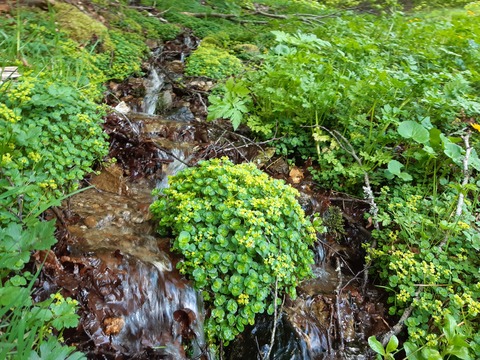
231,17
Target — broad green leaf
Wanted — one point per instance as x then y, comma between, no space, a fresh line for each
431,354
395,167
411,351
460,352
474,161
183,240
232,306
454,152
376,345
449,329
435,140
405,176
392,344
413,130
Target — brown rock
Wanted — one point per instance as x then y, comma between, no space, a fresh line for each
176,66
296,175
111,180
90,222
113,325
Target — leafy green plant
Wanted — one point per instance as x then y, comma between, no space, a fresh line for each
233,105
452,343
51,140
125,60
362,88
28,328
386,352
428,261
237,247
142,23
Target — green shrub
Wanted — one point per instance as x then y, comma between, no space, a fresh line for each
81,27
411,260
51,137
212,62
342,78
241,234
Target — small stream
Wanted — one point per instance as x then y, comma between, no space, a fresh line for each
135,304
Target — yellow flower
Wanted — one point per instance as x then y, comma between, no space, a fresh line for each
476,126
243,299
6,158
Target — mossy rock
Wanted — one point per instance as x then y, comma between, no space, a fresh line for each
81,27
213,62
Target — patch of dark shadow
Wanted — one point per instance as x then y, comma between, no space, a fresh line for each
138,156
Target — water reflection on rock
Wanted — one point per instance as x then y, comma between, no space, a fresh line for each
133,300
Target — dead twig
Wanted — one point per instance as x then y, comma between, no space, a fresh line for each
338,292
398,327
466,178
466,172
275,320
231,17
273,16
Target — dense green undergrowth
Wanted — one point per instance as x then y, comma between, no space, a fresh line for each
378,92
394,98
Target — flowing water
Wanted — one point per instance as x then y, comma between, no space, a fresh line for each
153,87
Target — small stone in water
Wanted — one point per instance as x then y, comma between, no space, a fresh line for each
90,222
113,325
122,108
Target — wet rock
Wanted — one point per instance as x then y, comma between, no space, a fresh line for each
296,175
263,157
176,66
90,222
201,85
166,100
122,108
113,326
279,166
111,179
183,114
152,44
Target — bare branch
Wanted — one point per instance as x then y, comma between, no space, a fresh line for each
398,327
466,172
338,292
231,17
275,320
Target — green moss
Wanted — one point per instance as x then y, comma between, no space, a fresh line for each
81,27
126,59
144,24
212,62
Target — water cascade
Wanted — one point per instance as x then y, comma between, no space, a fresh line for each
154,85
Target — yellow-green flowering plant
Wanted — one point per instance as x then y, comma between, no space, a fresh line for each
242,234
50,138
